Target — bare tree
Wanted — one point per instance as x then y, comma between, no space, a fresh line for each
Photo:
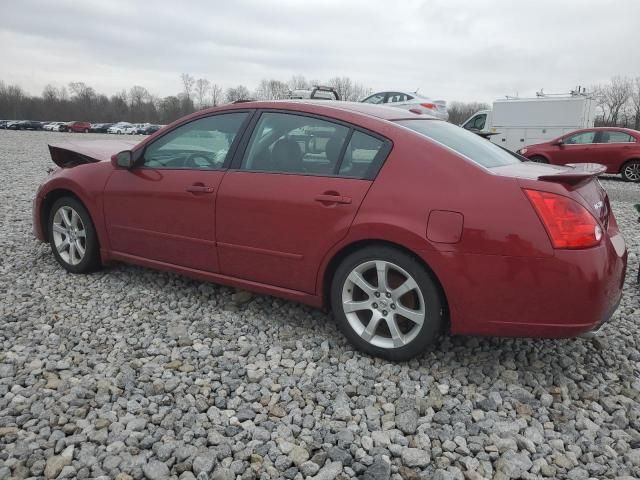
615,96
635,102
216,95
50,93
138,95
237,93
298,82
187,84
343,85
202,89
272,90
460,111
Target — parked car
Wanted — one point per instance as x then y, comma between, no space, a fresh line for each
25,125
618,149
100,127
369,218
80,127
135,128
149,129
53,126
412,101
119,128
3,124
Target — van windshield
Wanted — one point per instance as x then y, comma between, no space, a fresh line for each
472,146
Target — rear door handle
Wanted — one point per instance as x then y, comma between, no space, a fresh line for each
326,198
199,189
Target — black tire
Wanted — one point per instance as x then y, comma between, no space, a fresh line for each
631,171
424,335
91,259
538,159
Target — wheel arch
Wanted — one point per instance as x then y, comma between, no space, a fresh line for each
627,161
47,203
345,250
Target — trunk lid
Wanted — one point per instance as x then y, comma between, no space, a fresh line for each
71,153
581,178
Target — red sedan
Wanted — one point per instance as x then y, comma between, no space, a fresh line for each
616,148
402,224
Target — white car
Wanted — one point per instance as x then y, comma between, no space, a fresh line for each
119,128
53,126
136,128
412,101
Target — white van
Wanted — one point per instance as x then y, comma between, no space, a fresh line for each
515,123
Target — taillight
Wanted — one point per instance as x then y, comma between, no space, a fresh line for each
430,106
568,223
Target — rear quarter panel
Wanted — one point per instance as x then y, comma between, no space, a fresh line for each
498,220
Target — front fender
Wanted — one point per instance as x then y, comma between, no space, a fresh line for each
87,183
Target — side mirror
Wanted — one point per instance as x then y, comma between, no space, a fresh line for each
123,160
558,143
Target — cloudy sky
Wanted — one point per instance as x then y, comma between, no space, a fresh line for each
451,49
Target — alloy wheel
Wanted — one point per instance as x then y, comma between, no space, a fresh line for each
383,304
632,171
69,235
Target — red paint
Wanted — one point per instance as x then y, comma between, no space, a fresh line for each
277,233
611,155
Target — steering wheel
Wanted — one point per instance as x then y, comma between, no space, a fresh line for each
192,160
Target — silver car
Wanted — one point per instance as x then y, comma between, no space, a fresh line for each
410,101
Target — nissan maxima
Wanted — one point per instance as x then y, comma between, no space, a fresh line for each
405,226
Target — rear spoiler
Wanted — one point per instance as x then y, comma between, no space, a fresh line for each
579,173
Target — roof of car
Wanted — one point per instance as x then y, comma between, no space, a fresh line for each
378,111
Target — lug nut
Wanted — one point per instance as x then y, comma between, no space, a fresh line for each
393,306
388,295
377,294
384,312
375,305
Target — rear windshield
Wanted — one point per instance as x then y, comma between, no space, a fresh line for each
472,146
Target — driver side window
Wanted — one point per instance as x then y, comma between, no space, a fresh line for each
201,144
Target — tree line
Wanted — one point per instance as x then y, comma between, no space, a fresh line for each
79,101
618,101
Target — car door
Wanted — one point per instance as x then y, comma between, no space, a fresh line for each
575,148
612,148
164,209
292,194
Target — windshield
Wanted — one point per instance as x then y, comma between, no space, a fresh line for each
472,146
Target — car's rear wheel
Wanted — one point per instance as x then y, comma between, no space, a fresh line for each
538,159
631,171
72,236
386,303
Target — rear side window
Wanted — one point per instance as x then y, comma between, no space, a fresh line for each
615,137
472,146
288,143
363,156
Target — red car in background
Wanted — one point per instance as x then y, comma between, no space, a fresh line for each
79,127
403,224
618,149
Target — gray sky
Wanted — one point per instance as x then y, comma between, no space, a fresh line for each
450,49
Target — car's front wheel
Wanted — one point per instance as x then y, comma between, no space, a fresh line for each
631,171
72,236
386,303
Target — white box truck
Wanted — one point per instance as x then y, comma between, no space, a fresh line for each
514,123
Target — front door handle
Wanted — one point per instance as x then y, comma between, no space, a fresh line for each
199,188
329,198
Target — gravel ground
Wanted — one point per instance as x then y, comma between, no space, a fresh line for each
134,373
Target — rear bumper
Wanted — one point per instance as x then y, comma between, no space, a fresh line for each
566,295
